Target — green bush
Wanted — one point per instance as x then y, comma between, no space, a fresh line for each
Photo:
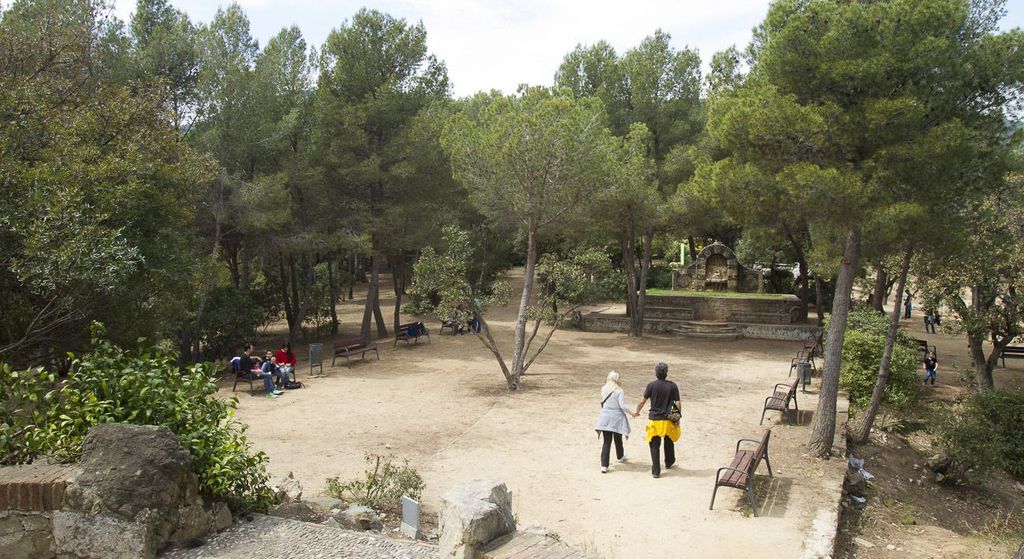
986,433
862,352
382,485
659,277
41,415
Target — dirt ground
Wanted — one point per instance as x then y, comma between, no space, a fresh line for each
443,406
909,515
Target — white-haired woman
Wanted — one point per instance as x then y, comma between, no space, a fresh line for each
613,423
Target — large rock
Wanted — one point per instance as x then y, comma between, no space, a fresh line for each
134,494
298,510
328,505
358,517
472,515
288,489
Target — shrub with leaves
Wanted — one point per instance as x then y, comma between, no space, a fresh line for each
986,433
862,353
44,415
382,485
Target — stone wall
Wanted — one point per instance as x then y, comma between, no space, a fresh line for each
132,495
30,495
595,322
784,309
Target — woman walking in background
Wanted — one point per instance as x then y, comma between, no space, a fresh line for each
613,423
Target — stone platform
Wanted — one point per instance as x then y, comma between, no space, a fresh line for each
784,309
608,322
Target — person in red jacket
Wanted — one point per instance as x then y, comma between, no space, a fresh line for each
285,361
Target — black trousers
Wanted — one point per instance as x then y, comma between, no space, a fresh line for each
670,454
606,447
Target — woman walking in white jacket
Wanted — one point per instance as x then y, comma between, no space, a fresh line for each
613,423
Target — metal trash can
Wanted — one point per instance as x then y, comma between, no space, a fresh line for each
316,357
803,372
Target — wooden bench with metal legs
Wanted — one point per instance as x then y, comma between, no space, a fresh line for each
740,472
779,401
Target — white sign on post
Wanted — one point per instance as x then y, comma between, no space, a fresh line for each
410,517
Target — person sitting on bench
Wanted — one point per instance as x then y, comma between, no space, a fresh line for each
285,360
250,368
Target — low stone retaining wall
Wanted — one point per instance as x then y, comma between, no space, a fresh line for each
132,495
820,541
29,497
595,322
784,309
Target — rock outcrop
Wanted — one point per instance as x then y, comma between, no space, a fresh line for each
472,515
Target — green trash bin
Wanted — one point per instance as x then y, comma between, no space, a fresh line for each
803,372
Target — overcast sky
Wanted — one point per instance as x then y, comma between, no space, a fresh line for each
500,44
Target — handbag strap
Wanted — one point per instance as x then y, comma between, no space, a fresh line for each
606,397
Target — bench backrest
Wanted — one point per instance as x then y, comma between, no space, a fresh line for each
792,388
1014,350
762,447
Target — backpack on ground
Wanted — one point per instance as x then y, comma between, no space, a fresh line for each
292,384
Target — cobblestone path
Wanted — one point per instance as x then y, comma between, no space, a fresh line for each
268,537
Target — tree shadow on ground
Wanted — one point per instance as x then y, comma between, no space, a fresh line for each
772,495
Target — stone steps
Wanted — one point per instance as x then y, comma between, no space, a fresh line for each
708,330
269,537
669,312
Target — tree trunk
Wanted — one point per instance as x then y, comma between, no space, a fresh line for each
983,366
817,301
299,312
352,276
332,287
231,255
289,311
864,430
637,325
1020,552
245,277
878,295
632,281
519,341
398,274
801,261
693,249
825,416
372,306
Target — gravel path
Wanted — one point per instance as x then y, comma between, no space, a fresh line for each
268,537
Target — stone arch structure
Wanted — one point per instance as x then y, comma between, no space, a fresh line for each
716,269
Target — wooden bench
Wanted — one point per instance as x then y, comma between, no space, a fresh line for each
1011,352
803,356
779,401
924,348
352,347
740,473
245,376
411,331
449,323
